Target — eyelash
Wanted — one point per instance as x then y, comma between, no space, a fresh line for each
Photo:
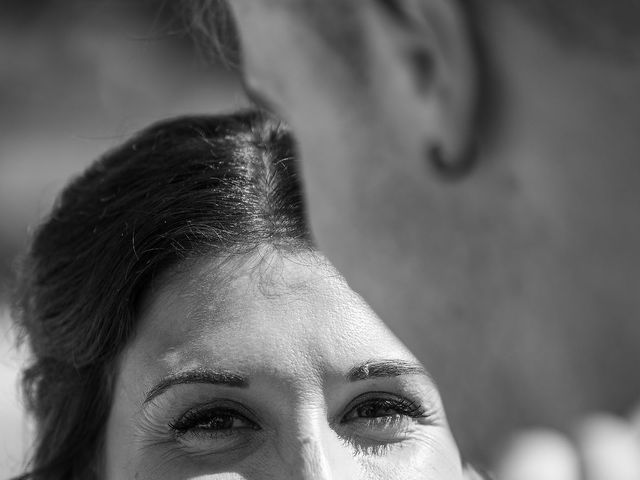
191,420
401,406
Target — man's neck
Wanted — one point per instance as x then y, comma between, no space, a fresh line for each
566,137
560,99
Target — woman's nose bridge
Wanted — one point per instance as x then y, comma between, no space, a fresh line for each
318,454
313,460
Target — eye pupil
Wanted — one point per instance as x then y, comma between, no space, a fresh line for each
219,422
366,411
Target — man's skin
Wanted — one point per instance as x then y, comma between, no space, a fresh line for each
517,285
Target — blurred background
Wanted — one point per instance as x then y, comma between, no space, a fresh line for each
76,78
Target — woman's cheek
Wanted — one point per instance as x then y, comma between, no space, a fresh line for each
431,454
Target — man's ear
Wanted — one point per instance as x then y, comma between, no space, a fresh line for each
431,43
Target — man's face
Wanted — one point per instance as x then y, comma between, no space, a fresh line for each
364,162
511,279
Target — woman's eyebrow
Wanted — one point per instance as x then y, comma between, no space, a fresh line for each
385,368
209,376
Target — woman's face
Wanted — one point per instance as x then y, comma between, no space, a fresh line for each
271,369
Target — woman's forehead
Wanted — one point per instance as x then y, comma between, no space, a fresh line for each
298,316
282,297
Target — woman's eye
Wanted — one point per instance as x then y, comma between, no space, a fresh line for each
373,410
222,421
375,421
213,430
217,420
384,407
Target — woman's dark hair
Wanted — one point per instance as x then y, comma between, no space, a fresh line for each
205,185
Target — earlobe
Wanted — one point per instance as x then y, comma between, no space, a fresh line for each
449,167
